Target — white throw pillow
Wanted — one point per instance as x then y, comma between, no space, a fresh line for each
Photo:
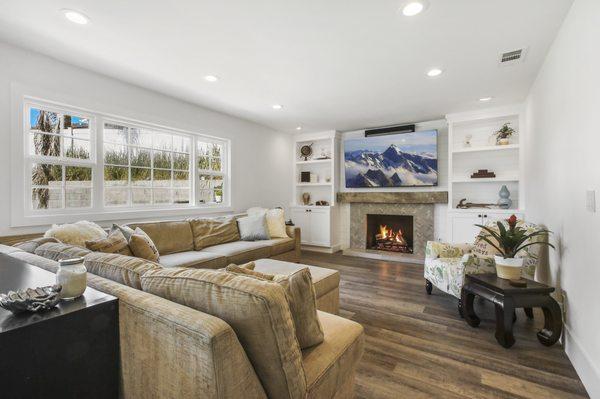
76,233
275,220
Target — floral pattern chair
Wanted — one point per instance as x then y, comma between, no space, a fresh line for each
447,264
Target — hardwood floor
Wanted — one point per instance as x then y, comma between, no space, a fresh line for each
417,346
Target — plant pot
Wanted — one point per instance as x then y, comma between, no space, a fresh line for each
509,268
503,142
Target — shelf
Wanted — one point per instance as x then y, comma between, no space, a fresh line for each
487,180
314,161
487,210
487,148
313,184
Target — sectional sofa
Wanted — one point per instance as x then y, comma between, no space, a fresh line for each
172,350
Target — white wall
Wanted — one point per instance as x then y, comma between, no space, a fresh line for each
562,162
440,210
261,169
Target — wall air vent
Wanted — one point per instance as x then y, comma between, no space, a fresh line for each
512,57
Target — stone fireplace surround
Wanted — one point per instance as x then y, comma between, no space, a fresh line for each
419,205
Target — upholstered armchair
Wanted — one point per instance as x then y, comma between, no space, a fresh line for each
447,264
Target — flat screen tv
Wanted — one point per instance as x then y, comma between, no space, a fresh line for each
399,160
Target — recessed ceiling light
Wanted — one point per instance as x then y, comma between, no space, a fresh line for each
432,73
413,8
76,17
485,99
299,128
211,78
277,106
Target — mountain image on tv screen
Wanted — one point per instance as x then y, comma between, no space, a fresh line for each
399,160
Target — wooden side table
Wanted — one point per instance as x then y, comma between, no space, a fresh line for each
506,299
71,351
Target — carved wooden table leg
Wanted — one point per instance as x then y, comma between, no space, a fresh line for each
467,299
528,312
428,286
504,322
552,322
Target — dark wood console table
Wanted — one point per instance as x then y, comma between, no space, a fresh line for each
506,299
71,351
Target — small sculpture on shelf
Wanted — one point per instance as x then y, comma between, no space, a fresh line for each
482,174
504,202
322,203
306,151
306,198
463,204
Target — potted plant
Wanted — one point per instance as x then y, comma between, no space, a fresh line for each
508,243
503,134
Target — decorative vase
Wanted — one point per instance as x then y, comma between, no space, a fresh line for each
306,198
508,268
502,141
72,276
504,202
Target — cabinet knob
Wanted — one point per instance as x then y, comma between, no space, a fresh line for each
484,216
478,216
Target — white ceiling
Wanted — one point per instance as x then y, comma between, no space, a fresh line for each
333,64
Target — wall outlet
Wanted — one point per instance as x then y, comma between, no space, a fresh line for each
591,200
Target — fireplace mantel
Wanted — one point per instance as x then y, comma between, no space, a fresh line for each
379,197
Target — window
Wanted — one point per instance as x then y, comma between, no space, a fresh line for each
59,159
145,167
211,171
85,164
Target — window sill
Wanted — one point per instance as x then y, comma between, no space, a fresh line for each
117,215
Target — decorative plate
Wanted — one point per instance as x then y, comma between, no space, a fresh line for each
30,299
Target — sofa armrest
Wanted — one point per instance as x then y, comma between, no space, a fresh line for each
169,350
475,264
436,249
295,233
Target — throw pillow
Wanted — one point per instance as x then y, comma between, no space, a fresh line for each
142,246
57,251
253,228
76,233
483,248
213,231
256,310
300,293
115,243
275,220
122,269
31,245
125,230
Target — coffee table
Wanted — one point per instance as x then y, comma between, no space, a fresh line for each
506,298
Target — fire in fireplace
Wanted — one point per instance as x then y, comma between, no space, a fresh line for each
390,233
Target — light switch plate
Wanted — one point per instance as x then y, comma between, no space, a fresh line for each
591,200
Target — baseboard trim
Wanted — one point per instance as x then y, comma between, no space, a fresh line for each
326,250
587,371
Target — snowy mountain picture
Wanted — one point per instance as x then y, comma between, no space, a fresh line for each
399,160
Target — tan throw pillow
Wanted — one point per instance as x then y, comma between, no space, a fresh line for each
122,269
126,230
248,272
115,243
213,231
300,293
142,246
257,311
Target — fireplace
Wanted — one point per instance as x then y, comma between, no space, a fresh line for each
392,233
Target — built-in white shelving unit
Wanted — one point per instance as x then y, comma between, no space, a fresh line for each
316,222
483,153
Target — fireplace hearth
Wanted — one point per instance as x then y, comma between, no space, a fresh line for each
393,233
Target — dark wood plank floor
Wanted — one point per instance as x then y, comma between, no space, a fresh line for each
417,346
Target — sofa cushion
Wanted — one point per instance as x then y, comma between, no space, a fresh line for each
194,259
31,245
213,231
115,243
332,363
36,260
275,220
241,251
57,251
120,268
258,312
169,237
323,279
281,245
142,246
253,228
76,233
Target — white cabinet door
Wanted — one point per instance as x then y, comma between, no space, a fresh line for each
301,218
463,227
320,227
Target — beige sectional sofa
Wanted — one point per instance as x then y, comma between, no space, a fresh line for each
169,350
175,243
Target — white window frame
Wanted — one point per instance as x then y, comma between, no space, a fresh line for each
224,173
22,212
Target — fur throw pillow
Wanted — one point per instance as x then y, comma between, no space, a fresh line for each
76,233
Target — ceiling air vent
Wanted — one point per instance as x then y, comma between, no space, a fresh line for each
512,57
